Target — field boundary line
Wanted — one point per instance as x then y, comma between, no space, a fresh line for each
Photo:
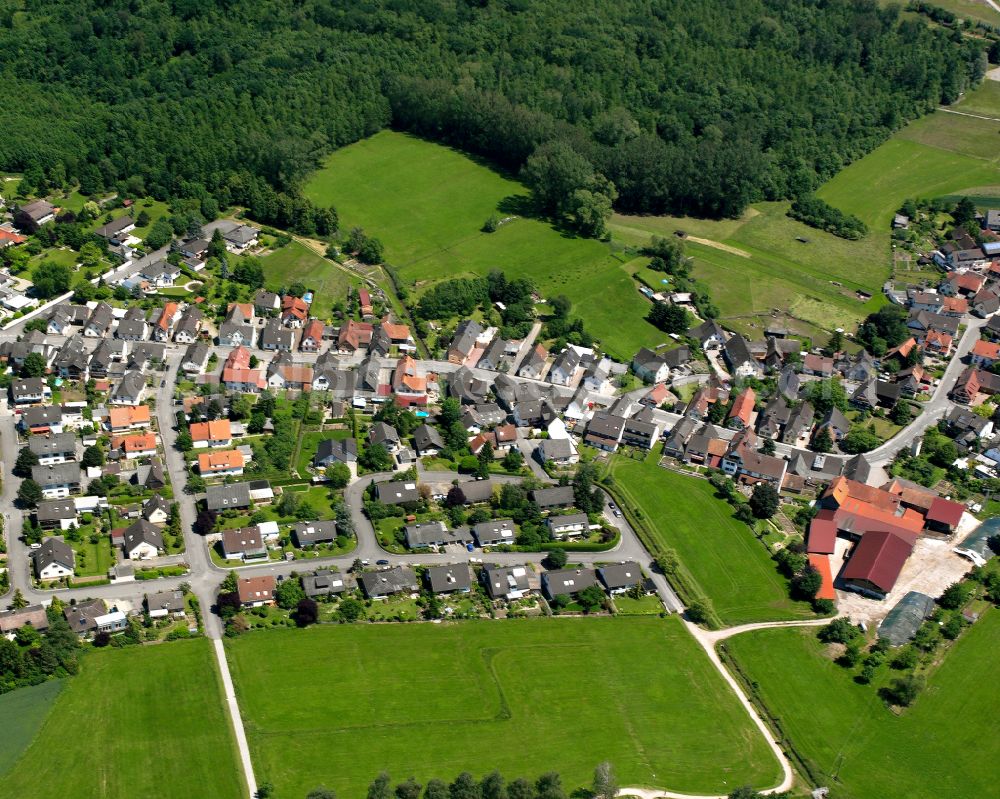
235,717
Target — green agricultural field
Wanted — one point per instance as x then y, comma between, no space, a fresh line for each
984,99
427,203
336,705
297,263
731,567
23,711
147,721
944,747
976,10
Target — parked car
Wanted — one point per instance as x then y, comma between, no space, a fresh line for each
382,562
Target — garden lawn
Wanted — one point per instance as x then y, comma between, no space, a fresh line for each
730,566
147,721
427,203
23,711
296,263
943,747
308,444
336,705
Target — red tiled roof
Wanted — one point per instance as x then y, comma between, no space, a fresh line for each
879,558
743,406
240,357
823,532
295,306
986,349
945,511
209,462
215,430
821,563
256,589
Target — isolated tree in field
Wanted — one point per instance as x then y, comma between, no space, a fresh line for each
605,783
25,460
380,788
556,558
408,789
436,789
92,456
30,493
322,792
764,501
493,787
549,786
265,791
33,366
698,612
903,690
464,786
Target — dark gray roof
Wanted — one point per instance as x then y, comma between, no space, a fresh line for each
426,437
82,615
432,533
465,336
171,601
568,581
476,491
54,510
500,581
397,492
54,550
390,581
494,531
52,444
142,532
382,433
553,497
153,504
314,532
234,495
620,575
445,579
56,474
344,450
324,582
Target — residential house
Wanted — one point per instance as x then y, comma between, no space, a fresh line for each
709,334
464,341
98,324
255,592
214,433
128,417
741,414
409,385
926,301
939,344
495,357
553,497
336,450
739,358
534,363
41,212
82,616
241,238
384,583
160,274
64,316
564,367
569,525
283,374
312,336
246,543
618,578
30,391
54,560
640,430
237,330
423,535
130,390
985,303
306,534
156,510
41,419
32,615
221,463
984,353
565,582
59,514
142,541
138,445
117,230
384,434
57,480
744,463
275,337
650,367
166,604
196,358
494,532
468,389
604,431
874,393
150,475
427,441
451,579
294,311
188,328
505,582
323,583
966,284
266,302
819,365
354,336
133,326
237,375
560,451
398,492
227,496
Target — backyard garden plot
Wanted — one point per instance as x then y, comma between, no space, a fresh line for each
163,731
945,746
427,203
336,705
296,263
730,567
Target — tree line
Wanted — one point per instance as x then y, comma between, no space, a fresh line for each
652,107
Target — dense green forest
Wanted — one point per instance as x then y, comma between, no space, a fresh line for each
698,106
